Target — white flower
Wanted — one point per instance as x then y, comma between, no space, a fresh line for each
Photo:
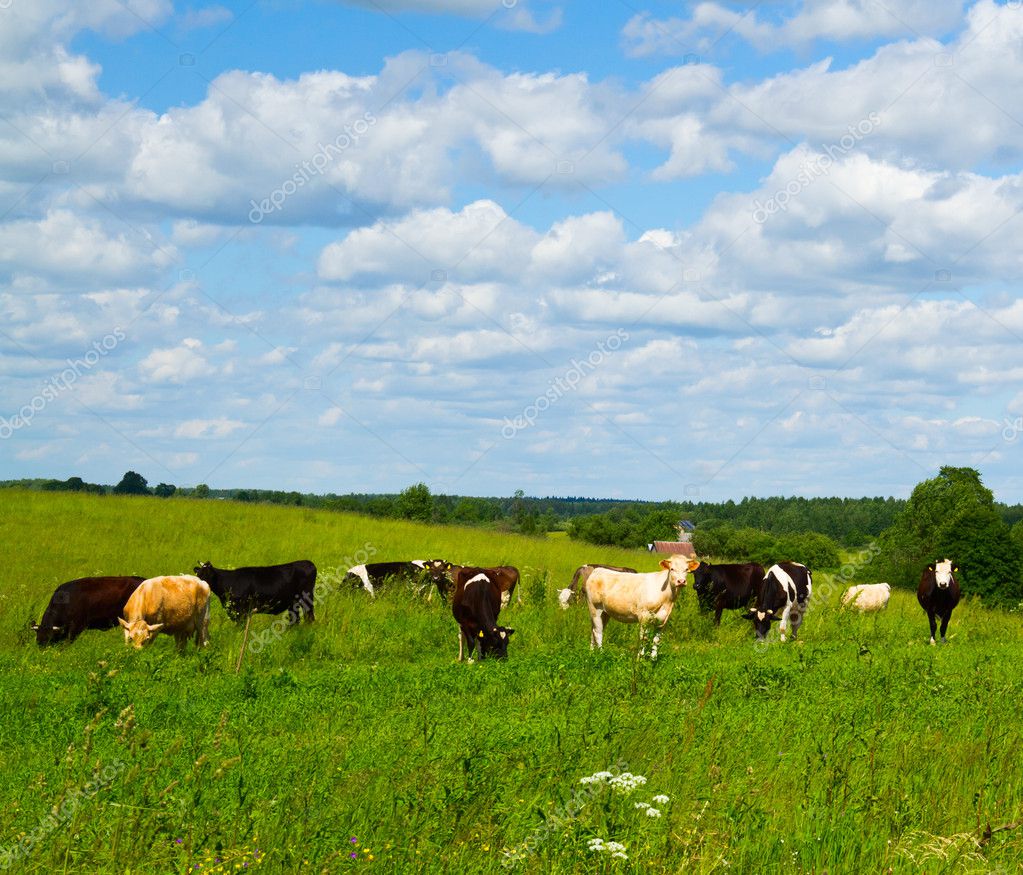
641,805
596,844
615,847
619,855
653,812
661,799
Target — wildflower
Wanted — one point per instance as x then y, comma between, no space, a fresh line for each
661,799
353,855
641,805
652,812
619,855
353,840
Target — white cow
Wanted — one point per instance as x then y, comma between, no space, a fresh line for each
867,597
646,599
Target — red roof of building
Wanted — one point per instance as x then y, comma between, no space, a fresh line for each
683,548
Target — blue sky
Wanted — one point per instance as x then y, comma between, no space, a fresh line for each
643,251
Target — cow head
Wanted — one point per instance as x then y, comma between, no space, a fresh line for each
943,572
204,570
762,620
678,566
46,634
139,633
494,642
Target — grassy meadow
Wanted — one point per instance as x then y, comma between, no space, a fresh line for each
359,743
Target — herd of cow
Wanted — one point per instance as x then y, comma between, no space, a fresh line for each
179,605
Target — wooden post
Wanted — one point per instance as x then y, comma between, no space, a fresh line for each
245,638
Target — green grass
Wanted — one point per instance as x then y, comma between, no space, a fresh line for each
858,749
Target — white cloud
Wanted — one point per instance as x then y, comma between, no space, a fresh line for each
180,364
194,429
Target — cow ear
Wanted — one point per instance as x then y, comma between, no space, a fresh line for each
510,632
122,621
156,627
664,563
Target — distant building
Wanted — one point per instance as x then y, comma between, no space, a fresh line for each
685,530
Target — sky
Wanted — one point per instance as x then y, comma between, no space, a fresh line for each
662,250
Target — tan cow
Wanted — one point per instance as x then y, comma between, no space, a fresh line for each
177,605
646,599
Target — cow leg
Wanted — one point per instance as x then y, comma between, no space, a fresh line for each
308,606
783,626
203,635
642,640
597,620
720,607
796,615
944,625
505,599
934,625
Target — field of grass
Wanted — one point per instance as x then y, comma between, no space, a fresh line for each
359,743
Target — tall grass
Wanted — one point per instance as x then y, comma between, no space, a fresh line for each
858,749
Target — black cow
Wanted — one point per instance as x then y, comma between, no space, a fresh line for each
938,594
730,586
568,595
85,603
476,604
264,589
374,574
783,595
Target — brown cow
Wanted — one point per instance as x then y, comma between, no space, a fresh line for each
476,603
84,603
177,605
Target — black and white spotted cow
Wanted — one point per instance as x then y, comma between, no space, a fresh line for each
372,575
784,595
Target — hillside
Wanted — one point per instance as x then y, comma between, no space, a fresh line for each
857,749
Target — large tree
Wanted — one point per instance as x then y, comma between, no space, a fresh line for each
952,516
132,484
415,503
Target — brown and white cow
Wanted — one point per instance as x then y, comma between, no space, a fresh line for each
476,604
938,594
646,599
567,595
177,605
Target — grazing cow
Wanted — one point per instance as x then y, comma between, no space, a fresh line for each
568,594
85,603
938,594
370,576
177,605
646,599
263,589
724,586
867,597
476,604
784,595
